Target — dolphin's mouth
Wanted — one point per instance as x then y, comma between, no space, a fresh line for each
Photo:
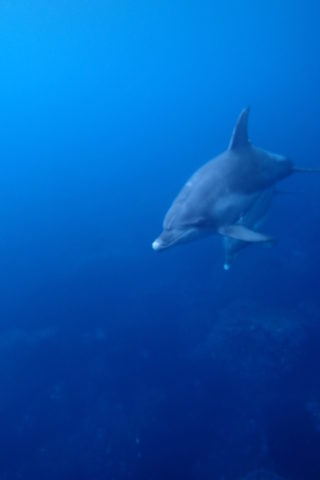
168,238
160,244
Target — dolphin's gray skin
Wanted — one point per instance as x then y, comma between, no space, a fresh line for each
219,196
252,219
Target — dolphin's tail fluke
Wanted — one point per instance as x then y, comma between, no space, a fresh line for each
306,170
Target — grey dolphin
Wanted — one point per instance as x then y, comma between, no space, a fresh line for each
218,196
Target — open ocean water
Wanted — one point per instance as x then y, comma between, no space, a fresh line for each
118,363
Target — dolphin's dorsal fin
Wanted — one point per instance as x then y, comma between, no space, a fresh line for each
240,132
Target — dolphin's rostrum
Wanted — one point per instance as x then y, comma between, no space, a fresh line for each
228,195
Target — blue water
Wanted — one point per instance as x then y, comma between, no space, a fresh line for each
117,362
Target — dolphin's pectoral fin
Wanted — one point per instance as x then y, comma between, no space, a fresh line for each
240,232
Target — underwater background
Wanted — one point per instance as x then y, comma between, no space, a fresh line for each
117,362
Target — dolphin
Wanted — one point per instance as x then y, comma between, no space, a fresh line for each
219,197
